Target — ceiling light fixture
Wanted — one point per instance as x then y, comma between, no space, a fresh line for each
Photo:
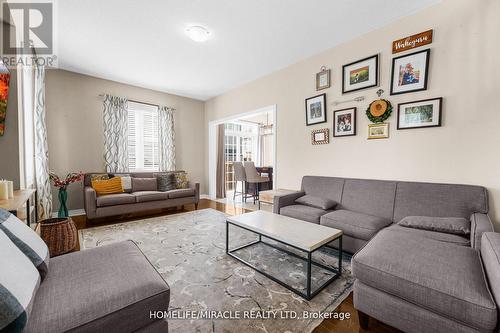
198,33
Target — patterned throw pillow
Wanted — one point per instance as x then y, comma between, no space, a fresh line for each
181,179
19,282
26,240
126,181
166,181
99,176
110,186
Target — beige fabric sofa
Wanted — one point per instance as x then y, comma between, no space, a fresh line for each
143,197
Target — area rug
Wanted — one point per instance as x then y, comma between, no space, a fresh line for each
188,250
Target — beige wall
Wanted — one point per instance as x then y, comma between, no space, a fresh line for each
463,69
75,126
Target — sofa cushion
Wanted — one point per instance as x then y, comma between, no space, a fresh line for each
355,224
26,240
144,184
439,236
144,196
181,193
323,187
110,186
317,202
372,197
305,213
449,225
110,288
115,199
19,282
166,181
434,275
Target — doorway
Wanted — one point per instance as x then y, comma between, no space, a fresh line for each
246,137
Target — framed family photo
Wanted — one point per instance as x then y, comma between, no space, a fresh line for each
344,122
360,74
419,114
410,72
323,79
320,136
316,110
378,131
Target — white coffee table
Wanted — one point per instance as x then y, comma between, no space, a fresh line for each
300,235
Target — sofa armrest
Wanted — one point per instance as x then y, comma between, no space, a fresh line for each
479,223
89,202
281,201
196,188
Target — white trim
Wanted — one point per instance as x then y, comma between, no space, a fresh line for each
204,196
212,144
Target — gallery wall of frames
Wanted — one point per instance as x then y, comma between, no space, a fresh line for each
409,74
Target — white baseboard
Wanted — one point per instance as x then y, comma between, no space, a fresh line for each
204,196
74,212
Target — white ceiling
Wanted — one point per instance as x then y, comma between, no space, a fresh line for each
143,42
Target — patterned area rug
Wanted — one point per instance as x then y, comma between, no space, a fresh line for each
188,250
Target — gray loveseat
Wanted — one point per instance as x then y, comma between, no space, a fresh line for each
413,279
142,197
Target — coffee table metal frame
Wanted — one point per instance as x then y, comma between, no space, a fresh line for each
309,294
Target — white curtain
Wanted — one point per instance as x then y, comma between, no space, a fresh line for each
41,147
115,115
166,135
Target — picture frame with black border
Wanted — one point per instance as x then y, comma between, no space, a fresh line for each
349,114
316,110
399,88
435,119
363,76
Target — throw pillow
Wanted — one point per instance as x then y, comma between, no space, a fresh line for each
19,282
99,176
449,225
144,184
26,240
166,181
317,202
110,186
181,179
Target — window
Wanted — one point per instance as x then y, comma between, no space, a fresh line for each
143,151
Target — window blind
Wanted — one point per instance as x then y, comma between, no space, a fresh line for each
143,147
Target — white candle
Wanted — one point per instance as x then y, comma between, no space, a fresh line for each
10,185
4,190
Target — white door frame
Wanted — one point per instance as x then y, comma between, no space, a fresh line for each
212,144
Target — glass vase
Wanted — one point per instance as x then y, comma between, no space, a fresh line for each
63,197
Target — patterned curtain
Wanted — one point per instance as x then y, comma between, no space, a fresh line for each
115,133
41,147
166,138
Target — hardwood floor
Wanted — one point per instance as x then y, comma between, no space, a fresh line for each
327,326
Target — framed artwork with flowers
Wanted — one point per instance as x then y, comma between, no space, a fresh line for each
4,95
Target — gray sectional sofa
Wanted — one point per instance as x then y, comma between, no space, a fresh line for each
412,278
142,197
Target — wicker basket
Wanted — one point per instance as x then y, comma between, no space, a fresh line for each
59,234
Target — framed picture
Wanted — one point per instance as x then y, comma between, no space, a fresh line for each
344,122
316,110
320,136
418,114
410,72
360,74
323,79
4,95
378,131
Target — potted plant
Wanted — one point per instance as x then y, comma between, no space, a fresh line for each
62,185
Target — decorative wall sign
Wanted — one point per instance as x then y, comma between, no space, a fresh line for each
378,131
409,72
320,136
412,41
418,114
323,79
316,110
344,122
360,74
379,110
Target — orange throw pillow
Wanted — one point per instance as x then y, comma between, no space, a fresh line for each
110,186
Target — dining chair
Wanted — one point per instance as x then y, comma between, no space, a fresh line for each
239,176
254,178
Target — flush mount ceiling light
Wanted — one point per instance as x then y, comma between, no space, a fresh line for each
198,33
